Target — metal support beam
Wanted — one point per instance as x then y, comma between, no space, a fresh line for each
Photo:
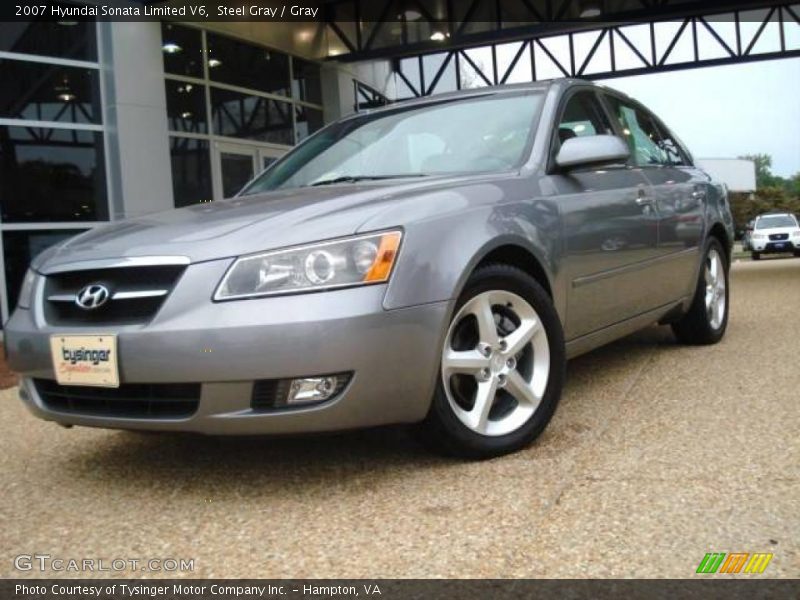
615,50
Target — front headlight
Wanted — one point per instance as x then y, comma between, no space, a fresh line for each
26,291
359,260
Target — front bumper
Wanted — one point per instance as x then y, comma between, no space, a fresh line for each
392,354
775,247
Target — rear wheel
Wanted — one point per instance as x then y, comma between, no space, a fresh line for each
707,318
502,366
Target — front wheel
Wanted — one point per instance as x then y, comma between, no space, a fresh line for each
707,318
755,255
502,366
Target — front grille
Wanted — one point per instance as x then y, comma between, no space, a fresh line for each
272,394
777,237
132,400
135,294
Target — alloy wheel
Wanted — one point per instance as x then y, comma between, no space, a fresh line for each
495,363
715,289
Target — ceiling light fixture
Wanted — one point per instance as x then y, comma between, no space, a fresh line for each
171,48
409,11
588,9
66,97
438,36
214,62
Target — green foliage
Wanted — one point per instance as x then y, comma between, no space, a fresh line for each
765,178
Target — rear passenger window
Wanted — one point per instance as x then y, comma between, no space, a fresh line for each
641,134
676,155
582,116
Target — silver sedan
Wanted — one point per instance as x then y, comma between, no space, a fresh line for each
433,262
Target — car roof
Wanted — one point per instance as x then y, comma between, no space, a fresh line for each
775,214
563,83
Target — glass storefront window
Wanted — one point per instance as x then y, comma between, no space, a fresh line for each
308,120
247,66
42,92
191,171
52,175
248,112
306,83
182,48
20,248
64,39
186,106
251,117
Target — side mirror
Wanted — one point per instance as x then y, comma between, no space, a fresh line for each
592,150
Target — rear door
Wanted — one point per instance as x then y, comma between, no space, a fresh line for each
679,195
610,228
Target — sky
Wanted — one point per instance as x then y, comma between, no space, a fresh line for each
725,112
718,112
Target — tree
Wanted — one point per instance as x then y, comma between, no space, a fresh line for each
764,176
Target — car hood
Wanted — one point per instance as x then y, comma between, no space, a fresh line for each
244,224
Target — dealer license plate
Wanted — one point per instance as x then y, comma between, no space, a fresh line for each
85,359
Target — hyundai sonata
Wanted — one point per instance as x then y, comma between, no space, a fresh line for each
433,262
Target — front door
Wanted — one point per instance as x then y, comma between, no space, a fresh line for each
611,228
237,164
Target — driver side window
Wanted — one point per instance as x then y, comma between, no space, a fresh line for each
641,134
582,116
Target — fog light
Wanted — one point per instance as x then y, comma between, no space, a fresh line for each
312,389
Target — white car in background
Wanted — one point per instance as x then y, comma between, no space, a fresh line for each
775,233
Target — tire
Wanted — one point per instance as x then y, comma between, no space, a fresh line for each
516,379
797,253
707,318
755,256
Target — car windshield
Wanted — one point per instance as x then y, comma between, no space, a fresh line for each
776,221
485,133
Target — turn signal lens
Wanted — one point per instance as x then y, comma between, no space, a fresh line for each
384,261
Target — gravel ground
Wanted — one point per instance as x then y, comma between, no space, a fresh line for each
657,455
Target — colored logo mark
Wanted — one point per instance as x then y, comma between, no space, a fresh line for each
735,562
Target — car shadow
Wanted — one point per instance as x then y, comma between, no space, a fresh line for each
130,459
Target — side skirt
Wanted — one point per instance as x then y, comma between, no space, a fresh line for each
590,341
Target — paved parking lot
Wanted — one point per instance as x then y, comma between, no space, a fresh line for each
657,455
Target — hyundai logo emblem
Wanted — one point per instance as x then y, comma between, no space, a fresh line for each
92,296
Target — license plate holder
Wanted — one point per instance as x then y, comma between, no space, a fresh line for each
85,359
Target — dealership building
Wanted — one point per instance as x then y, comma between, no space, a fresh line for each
104,120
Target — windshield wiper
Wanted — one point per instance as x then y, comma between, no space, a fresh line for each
357,178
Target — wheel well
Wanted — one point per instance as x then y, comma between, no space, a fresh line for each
519,257
718,231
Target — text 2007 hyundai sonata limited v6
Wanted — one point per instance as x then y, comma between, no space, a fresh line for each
435,261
